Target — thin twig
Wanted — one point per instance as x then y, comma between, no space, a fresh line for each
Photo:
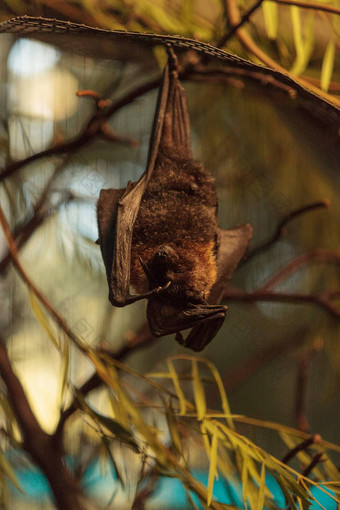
281,230
316,438
315,460
227,73
250,365
243,20
31,286
322,300
25,231
90,131
319,255
301,385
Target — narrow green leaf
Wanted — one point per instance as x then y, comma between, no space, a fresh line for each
244,480
42,318
173,429
271,19
119,413
212,467
287,494
327,65
223,395
303,44
65,362
178,389
260,500
113,462
297,32
7,470
205,437
199,394
117,430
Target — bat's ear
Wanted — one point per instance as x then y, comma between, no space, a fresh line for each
165,318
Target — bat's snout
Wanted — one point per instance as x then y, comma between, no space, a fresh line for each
160,262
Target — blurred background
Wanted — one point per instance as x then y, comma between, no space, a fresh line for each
270,155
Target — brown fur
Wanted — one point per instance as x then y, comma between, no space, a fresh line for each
178,210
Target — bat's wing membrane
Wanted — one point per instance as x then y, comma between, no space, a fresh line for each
233,245
232,248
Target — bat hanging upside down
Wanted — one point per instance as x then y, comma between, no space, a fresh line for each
161,235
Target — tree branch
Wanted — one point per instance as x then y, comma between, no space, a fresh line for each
245,17
319,255
258,359
281,228
301,385
316,438
323,300
44,449
90,131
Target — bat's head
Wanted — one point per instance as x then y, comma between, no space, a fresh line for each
191,272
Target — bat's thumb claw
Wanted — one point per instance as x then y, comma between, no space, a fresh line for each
162,289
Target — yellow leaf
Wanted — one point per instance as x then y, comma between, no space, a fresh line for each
178,389
199,394
41,317
244,480
212,466
224,400
173,429
65,361
297,32
270,13
7,470
262,487
327,65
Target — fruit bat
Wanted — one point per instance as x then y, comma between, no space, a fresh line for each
160,235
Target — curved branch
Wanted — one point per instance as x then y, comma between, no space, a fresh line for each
323,300
319,255
280,229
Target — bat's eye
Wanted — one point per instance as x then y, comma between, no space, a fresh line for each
177,271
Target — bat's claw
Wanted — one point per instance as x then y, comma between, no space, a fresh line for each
159,290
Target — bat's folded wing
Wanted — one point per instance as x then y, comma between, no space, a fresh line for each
165,318
107,208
